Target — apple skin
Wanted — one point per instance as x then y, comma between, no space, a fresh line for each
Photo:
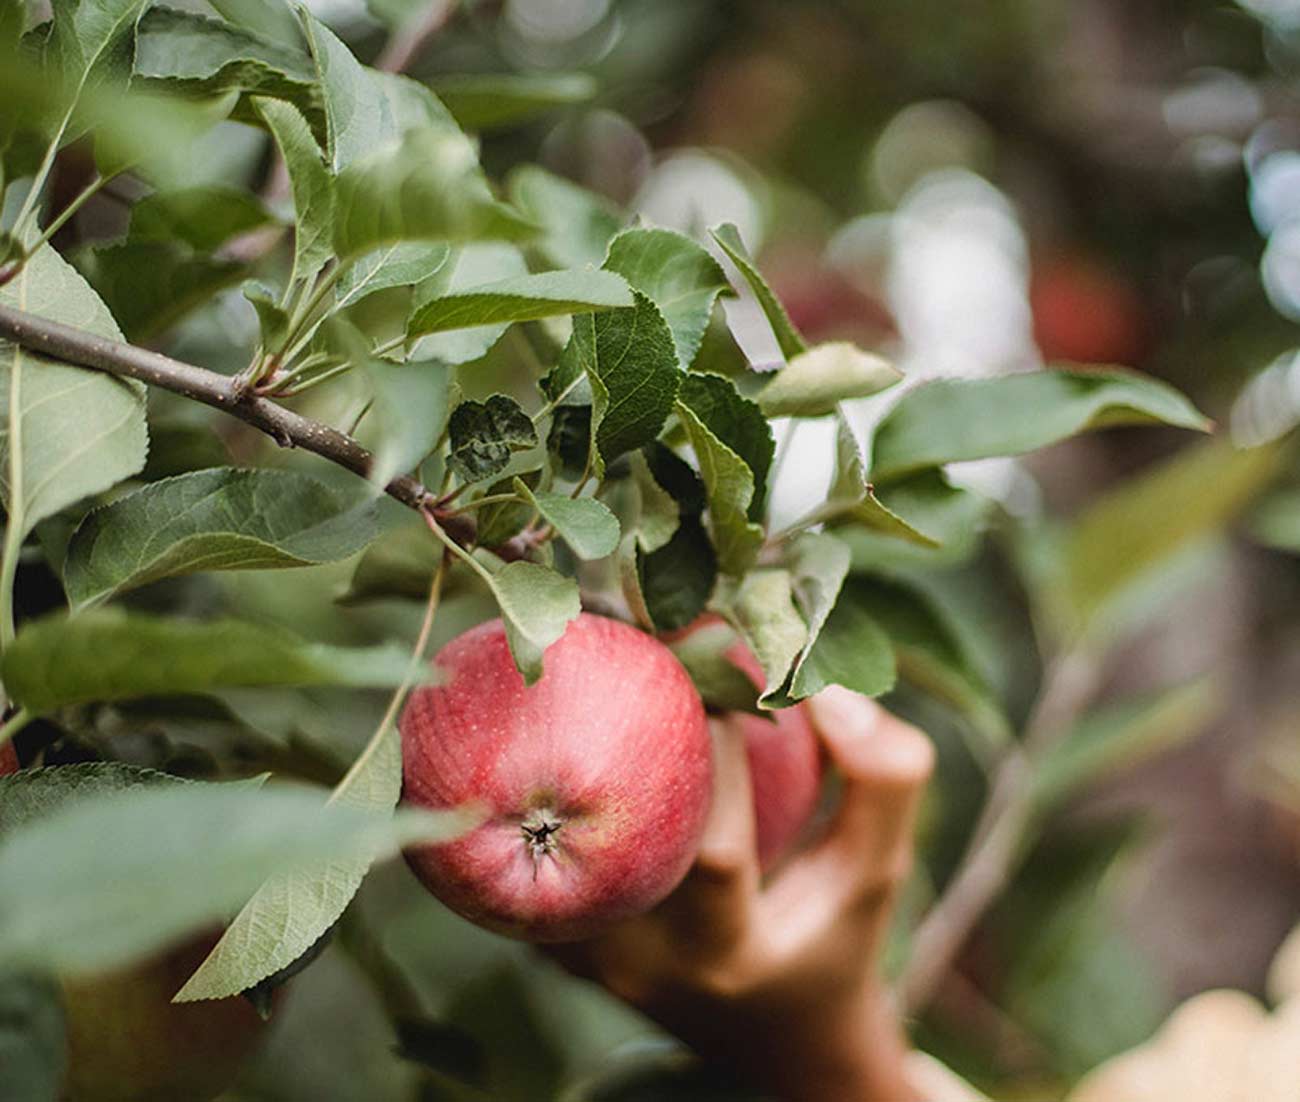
786,767
1086,312
8,759
128,1042
595,782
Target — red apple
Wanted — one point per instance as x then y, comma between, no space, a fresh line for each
785,767
1086,312
8,758
595,782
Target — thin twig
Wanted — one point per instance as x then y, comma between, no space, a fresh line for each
997,842
288,429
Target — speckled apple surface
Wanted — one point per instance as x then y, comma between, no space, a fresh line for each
595,782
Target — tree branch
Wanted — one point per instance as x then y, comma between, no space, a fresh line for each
288,429
997,843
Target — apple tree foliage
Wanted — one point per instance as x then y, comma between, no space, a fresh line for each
549,392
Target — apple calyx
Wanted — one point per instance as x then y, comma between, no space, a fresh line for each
540,828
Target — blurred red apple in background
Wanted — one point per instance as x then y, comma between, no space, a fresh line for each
1085,312
8,758
596,781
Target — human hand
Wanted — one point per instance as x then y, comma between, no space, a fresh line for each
779,981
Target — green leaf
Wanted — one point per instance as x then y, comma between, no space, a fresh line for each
396,265
736,422
536,604
729,484
151,285
787,336
409,414
930,655
584,523
657,513
1147,519
677,274
84,35
948,524
951,420
851,649
205,218
311,184
483,434
521,298
484,101
272,321
1121,736
425,186
71,882
576,224
66,432
358,114
628,358
469,266
221,519
761,607
677,579
195,55
271,19
814,382
818,564
292,912
722,685
108,654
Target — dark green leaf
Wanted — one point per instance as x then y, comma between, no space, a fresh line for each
677,274
222,519
576,224
657,514
735,421
628,358
569,439
677,580
106,654
950,420
483,434
729,486
787,336
483,101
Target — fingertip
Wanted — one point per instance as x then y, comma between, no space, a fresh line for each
868,743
